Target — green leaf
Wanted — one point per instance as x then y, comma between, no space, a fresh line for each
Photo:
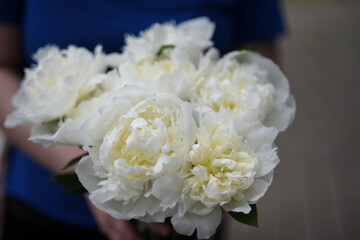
162,48
249,219
247,47
74,161
52,121
70,182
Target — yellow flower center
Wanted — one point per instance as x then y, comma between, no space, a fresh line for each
223,167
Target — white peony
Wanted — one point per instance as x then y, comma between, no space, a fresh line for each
161,75
231,166
65,129
60,81
251,86
177,69
109,108
170,73
192,36
144,149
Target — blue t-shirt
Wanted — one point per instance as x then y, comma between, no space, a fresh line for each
90,22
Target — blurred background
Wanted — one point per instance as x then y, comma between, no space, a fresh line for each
315,193
316,189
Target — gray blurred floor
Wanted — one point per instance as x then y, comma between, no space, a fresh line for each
316,189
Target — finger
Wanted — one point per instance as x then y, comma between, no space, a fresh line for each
160,228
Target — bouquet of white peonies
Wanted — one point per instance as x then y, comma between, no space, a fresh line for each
171,130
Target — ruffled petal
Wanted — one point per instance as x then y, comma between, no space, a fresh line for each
257,190
168,190
206,225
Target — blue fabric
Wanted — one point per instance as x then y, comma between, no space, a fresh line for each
91,22
31,183
11,11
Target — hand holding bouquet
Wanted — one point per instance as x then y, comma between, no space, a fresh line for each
171,129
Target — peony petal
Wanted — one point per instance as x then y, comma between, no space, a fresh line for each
168,190
284,103
237,206
141,208
183,225
200,27
260,136
161,162
206,225
85,172
257,190
282,116
14,119
268,161
109,108
268,178
43,134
